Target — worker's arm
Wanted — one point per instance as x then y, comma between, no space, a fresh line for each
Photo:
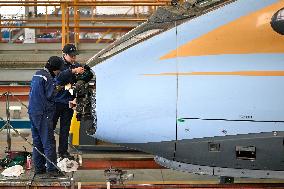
50,89
65,76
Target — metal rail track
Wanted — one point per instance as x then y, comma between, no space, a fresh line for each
191,186
102,164
151,186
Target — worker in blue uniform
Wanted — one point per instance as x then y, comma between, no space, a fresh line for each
41,111
63,111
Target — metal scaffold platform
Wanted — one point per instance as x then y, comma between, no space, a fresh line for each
29,180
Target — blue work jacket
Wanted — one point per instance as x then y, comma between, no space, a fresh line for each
66,75
42,93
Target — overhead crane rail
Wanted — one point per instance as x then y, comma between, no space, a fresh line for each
82,27
119,19
86,3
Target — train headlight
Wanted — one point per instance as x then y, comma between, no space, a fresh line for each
277,21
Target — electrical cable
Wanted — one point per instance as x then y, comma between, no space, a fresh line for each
8,126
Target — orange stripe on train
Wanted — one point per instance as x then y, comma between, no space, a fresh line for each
240,73
247,35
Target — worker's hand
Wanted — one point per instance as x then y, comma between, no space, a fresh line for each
72,104
78,70
58,88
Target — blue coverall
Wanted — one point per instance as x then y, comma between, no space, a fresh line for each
62,106
41,111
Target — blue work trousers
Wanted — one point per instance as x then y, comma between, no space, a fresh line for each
65,114
44,141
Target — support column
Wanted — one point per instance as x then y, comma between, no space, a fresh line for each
63,21
30,11
76,24
35,10
67,26
0,28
